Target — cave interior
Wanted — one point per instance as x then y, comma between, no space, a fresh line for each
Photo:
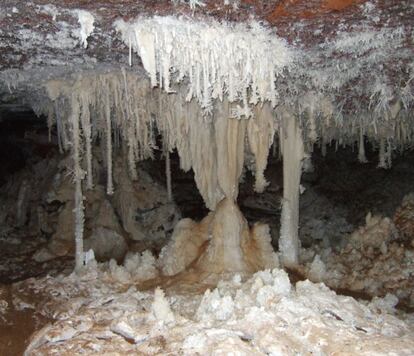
193,177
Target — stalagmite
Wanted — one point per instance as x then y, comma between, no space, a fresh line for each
293,153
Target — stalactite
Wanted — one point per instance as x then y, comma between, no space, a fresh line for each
261,130
293,153
217,58
361,146
209,136
87,133
79,175
131,138
130,51
229,145
307,163
382,154
109,185
388,155
59,127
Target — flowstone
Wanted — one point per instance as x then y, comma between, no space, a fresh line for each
221,243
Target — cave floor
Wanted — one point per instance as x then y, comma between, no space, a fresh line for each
99,312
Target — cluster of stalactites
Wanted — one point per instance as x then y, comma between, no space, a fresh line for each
121,108
324,122
237,61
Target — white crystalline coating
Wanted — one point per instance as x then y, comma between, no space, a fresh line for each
161,308
192,3
195,342
50,10
281,282
216,58
137,267
215,307
86,21
235,319
361,42
123,329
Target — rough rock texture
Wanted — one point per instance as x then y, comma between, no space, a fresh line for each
404,219
103,231
45,203
143,206
58,21
375,235
322,221
263,315
373,262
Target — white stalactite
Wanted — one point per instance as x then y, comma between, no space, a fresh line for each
87,133
79,175
217,58
109,185
293,153
229,147
131,137
261,131
86,21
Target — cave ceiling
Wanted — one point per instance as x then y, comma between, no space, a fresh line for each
39,39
